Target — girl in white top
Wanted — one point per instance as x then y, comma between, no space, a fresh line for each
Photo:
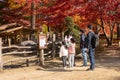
63,53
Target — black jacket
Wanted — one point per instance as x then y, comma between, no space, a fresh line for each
90,35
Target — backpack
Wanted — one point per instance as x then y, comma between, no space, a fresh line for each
94,41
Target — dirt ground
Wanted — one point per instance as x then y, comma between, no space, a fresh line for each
107,68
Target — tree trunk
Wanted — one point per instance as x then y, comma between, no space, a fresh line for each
53,47
33,19
33,16
53,50
118,31
109,42
108,38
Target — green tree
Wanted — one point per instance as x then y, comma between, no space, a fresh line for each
72,28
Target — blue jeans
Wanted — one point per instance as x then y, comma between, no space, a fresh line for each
92,59
71,59
84,54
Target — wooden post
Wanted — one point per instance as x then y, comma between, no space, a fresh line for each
41,47
42,57
27,62
1,65
119,43
9,42
54,37
62,36
53,46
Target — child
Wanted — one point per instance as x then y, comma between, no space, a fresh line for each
71,52
63,53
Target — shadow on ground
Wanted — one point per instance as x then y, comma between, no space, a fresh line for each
101,62
109,63
55,66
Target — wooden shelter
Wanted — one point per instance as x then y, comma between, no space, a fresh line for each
15,33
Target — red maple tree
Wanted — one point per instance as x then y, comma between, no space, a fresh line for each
102,13
53,12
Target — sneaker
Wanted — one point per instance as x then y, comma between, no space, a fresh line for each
83,65
90,69
64,68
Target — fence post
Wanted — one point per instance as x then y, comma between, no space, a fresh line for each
53,46
42,57
1,65
9,42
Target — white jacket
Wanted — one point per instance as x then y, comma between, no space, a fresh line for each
63,51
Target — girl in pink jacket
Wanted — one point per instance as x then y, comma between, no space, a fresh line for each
71,52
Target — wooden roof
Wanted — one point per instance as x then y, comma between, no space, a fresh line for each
3,27
9,28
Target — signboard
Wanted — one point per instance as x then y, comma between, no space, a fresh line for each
42,41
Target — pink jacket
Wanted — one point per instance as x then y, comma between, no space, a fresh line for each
71,48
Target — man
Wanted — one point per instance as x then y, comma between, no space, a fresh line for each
83,46
91,50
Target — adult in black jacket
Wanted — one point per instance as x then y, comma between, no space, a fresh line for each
91,50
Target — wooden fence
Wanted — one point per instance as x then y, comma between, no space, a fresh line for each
18,50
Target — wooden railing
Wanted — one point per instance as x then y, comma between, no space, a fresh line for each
18,50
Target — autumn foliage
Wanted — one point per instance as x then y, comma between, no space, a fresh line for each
53,12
